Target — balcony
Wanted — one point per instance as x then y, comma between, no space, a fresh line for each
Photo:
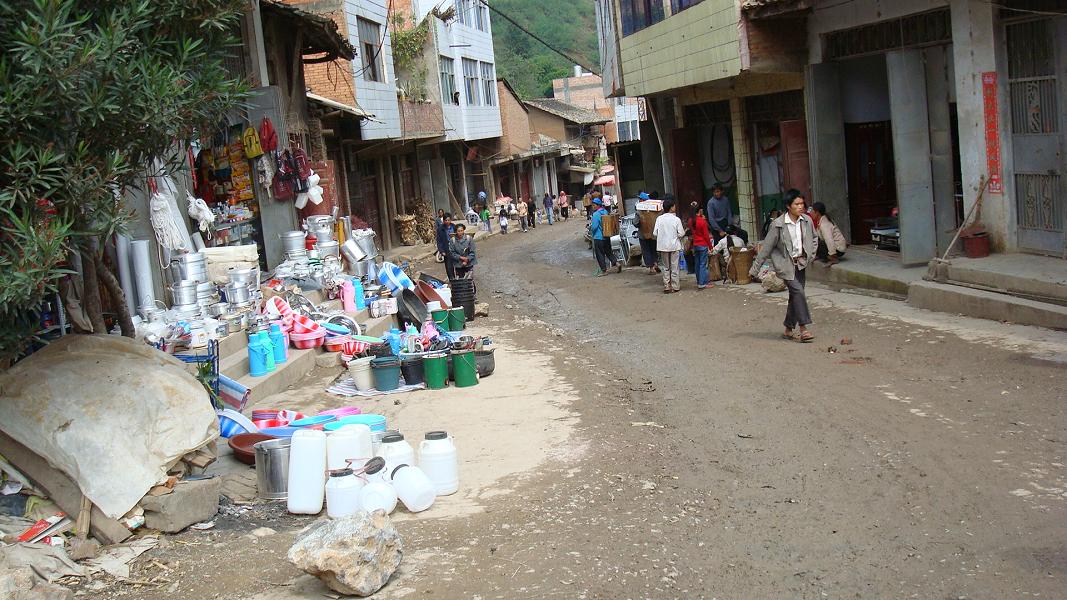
419,120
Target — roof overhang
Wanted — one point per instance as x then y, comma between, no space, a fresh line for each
355,111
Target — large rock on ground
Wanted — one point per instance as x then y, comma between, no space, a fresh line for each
192,501
355,555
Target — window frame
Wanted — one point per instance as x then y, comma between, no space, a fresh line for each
481,16
471,81
488,72
463,12
448,79
636,15
678,6
371,53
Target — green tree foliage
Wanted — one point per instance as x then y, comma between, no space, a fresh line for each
91,93
530,67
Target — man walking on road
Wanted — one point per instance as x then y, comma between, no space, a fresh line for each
531,212
550,208
669,233
523,210
602,247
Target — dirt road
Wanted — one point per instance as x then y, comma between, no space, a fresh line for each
712,459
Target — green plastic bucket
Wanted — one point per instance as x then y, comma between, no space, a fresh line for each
465,368
457,319
441,319
435,371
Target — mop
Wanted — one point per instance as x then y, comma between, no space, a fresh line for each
937,268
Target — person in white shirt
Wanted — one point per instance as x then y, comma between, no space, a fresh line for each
669,233
791,244
722,249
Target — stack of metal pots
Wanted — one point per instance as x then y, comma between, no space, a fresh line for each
321,227
360,251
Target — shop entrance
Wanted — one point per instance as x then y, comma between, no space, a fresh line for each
871,184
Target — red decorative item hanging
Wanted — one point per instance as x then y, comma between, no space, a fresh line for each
268,137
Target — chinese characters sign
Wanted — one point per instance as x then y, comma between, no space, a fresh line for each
992,132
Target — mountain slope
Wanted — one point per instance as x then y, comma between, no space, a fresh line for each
530,67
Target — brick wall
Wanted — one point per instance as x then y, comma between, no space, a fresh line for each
332,80
419,119
514,122
586,91
777,45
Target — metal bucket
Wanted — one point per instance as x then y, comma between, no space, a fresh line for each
237,294
353,253
328,248
365,239
272,468
183,293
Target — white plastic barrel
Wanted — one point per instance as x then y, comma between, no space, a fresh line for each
342,494
307,472
439,460
348,442
413,488
396,451
377,495
359,369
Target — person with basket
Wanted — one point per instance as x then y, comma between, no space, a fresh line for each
601,242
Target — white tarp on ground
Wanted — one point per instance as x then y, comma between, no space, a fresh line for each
110,412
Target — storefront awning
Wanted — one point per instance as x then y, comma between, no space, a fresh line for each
580,169
605,180
352,110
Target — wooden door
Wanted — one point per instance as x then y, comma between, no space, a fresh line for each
871,183
796,169
685,159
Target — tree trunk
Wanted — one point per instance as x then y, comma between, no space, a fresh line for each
114,288
91,288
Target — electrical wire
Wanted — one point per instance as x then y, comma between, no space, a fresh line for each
377,51
538,38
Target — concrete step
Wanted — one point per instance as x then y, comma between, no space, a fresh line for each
986,305
868,272
235,366
1039,278
300,363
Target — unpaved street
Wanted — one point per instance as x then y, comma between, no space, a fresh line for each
711,459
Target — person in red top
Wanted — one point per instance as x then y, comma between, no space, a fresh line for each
698,226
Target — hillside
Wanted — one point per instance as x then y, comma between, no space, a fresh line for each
528,65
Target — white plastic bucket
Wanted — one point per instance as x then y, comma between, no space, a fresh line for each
439,460
377,495
359,369
307,472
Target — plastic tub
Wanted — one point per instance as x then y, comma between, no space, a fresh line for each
342,412
335,343
385,370
435,371
359,370
485,361
232,423
280,432
306,341
268,423
313,421
372,421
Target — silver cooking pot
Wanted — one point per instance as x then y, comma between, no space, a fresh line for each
238,294
293,241
183,292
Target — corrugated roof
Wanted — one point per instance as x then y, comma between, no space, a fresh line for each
352,110
570,112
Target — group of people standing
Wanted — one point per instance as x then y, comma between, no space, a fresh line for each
792,241
526,212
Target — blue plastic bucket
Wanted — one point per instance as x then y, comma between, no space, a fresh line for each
375,422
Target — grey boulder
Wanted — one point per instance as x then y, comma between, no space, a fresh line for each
354,555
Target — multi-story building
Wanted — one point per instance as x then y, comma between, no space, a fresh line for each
413,116
867,105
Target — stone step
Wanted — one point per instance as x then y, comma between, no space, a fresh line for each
986,305
1039,278
300,363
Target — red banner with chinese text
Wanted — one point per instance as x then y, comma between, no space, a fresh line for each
992,132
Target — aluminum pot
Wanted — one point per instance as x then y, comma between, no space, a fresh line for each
237,294
183,292
218,309
360,268
272,468
191,258
292,241
320,226
241,275
328,248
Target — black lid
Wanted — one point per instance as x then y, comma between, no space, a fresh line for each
398,467
374,465
341,473
437,435
392,437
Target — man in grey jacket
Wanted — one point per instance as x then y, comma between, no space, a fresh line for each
461,249
791,246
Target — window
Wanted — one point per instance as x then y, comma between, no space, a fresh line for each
448,81
470,81
638,14
465,11
481,16
489,84
680,5
370,45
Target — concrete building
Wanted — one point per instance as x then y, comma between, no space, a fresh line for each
723,97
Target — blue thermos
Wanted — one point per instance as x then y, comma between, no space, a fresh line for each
361,302
268,351
277,340
257,356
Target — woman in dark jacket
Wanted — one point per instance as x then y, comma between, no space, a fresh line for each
791,244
